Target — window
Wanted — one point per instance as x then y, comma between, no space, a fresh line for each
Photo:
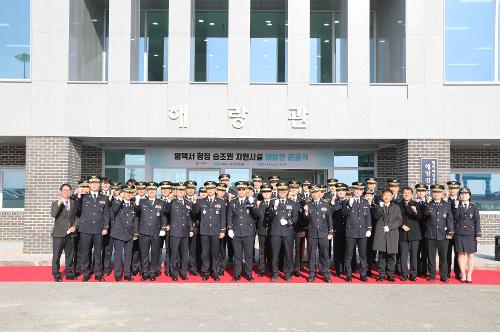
149,41
268,41
88,40
209,46
328,41
12,186
484,186
202,175
350,166
169,174
471,51
387,41
15,40
238,174
121,165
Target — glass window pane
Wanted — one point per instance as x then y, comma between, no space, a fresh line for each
268,41
202,175
88,40
210,41
387,41
328,55
238,174
123,174
469,40
12,188
125,157
353,159
348,176
15,39
169,174
485,189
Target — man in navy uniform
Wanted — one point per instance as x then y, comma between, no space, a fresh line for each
332,189
211,212
226,178
263,229
453,189
107,240
319,233
371,185
438,232
273,181
123,231
394,188
257,185
194,241
421,199
152,224
358,229
92,226
180,224
166,196
339,228
140,191
305,190
298,229
226,248
242,216
285,214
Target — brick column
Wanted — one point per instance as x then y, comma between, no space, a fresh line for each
91,161
50,161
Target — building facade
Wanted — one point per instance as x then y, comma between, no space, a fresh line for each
308,89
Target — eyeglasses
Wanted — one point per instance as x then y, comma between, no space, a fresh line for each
240,189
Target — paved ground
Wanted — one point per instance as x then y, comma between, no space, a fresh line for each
256,307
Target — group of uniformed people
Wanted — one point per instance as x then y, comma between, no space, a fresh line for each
293,223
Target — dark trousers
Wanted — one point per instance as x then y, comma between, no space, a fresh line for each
386,263
370,255
423,264
194,251
164,243
179,255
339,253
107,252
87,242
409,248
136,258
243,249
350,250
456,267
123,255
58,245
149,245
297,252
77,264
282,244
226,252
442,247
210,250
264,253
324,260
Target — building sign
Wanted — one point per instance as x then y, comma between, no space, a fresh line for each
241,158
429,171
238,116
298,117
179,113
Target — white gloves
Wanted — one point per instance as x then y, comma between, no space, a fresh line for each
250,199
283,222
230,233
162,233
386,229
137,199
351,201
368,233
381,204
276,202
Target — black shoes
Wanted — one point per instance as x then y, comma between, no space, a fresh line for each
57,278
348,279
144,277
152,278
391,279
174,278
380,278
118,278
296,274
364,279
412,278
250,278
99,278
236,278
184,277
194,273
443,279
274,278
216,278
107,273
261,274
86,278
205,277
128,278
288,279
70,277
310,279
404,278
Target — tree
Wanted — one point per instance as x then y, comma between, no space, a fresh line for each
23,57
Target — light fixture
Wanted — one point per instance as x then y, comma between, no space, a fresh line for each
269,24
95,20
205,40
155,54
212,23
268,21
400,21
155,23
266,40
318,56
264,55
201,21
210,55
327,41
381,41
326,24
337,21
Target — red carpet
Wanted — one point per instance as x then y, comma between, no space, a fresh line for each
43,274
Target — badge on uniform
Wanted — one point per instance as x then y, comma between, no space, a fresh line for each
288,207
323,209
204,211
158,213
471,215
102,202
158,206
444,215
217,206
188,207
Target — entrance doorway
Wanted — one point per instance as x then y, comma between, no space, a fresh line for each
314,176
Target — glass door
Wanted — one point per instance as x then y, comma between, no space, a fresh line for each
202,175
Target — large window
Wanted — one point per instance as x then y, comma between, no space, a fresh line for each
15,39
352,166
149,41
471,50
268,41
121,165
12,188
387,41
328,42
88,40
484,186
209,41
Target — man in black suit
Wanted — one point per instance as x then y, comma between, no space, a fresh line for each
263,229
63,210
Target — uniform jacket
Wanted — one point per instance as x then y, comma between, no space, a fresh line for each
124,220
439,220
319,220
152,217
288,211
212,216
63,219
358,219
242,218
467,221
94,214
180,218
